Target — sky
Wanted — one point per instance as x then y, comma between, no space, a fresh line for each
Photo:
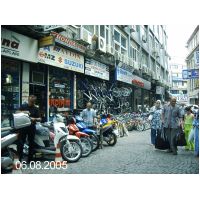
178,35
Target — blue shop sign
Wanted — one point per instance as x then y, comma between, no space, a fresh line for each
123,75
190,74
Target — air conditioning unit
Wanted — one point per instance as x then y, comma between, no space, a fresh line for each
131,62
118,56
136,65
110,50
84,36
133,28
144,38
125,59
101,43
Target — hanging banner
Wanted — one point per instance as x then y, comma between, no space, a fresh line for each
123,75
63,58
96,69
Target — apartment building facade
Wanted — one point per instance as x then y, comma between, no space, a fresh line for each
52,62
179,85
192,61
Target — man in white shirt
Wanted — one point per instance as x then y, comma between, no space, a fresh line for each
89,115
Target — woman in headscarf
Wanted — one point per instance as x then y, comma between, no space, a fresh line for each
156,122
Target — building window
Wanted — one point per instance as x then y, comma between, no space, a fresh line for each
90,28
120,42
117,36
134,54
10,90
102,31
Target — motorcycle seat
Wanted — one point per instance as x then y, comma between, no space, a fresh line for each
51,148
5,133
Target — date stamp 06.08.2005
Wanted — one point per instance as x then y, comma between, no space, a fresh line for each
38,165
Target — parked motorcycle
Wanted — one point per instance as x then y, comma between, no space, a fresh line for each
108,133
92,133
86,143
45,141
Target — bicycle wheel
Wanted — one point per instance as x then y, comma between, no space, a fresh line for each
116,92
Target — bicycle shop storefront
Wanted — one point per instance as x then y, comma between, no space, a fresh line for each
92,85
16,58
142,94
124,77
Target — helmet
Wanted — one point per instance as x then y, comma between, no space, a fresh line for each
59,118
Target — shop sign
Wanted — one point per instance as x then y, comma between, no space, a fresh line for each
140,82
123,75
159,90
46,41
190,74
181,97
96,69
59,103
63,58
18,46
60,39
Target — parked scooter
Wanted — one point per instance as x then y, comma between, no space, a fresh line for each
45,141
92,133
84,138
108,133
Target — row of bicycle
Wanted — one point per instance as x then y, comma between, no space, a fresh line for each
137,121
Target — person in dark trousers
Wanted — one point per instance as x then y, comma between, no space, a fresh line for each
34,114
172,121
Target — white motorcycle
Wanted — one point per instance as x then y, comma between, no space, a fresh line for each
45,141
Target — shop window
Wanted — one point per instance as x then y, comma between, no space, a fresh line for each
59,91
38,77
10,90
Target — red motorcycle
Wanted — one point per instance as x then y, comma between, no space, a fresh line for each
86,143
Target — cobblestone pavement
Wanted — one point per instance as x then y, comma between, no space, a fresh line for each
132,154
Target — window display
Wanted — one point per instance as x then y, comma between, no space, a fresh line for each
59,90
10,73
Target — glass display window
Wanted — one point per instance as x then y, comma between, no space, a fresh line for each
59,90
10,89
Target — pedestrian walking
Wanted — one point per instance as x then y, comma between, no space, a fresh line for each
188,124
89,116
172,121
196,134
156,121
33,112
182,108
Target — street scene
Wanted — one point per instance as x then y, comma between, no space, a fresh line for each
99,99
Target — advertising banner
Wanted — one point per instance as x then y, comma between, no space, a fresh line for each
59,57
18,46
96,69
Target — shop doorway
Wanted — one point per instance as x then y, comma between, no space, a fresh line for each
40,92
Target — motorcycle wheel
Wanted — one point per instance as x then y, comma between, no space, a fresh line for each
140,127
113,139
72,152
95,142
86,146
